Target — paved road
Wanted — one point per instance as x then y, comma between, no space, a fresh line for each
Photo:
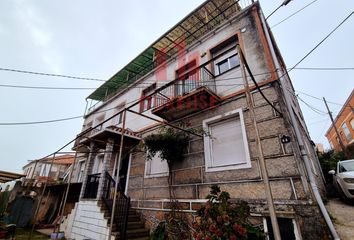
344,218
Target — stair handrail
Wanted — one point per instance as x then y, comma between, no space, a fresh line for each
122,205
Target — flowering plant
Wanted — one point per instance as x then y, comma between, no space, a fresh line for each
220,220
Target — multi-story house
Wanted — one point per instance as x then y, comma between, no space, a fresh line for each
344,123
258,149
41,169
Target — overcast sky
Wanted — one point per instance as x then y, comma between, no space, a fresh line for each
97,38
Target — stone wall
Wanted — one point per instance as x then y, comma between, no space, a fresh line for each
190,179
192,183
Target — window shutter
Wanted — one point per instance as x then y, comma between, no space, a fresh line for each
157,166
227,143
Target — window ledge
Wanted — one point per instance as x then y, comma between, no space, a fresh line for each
158,175
229,167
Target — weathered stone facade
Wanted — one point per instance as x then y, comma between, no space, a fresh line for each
191,180
192,184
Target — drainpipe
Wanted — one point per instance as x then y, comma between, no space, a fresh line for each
294,122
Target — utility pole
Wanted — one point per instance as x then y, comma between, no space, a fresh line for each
334,125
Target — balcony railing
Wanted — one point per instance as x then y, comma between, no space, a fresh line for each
193,80
193,91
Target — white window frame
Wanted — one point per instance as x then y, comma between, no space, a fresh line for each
296,229
207,142
81,172
348,136
148,173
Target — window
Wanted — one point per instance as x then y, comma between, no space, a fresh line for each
45,170
226,56
346,131
119,118
156,167
287,226
228,63
98,163
81,170
148,102
226,145
99,120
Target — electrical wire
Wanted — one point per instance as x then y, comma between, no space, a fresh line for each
320,99
293,14
50,74
324,39
287,71
149,83
46,88
56,120
316,110
284,3
324,68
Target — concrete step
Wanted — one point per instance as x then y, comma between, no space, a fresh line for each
133,218
135,225
134,234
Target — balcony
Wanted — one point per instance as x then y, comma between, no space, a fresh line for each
193,92
100,134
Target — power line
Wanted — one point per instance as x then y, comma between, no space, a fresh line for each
284,3
320,99
46,88
287,71
56,120
324,68
51,74
147,83
293,14
39,122
324,39
316,110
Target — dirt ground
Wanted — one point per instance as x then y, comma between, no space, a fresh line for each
22,234
343,214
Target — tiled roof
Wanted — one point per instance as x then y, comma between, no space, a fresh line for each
63,159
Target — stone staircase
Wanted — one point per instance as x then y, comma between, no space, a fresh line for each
135,226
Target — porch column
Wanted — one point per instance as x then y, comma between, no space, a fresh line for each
88,168
106,166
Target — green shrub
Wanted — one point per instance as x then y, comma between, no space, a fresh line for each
221,220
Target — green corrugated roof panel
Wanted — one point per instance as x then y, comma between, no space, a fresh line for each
207,16
139,66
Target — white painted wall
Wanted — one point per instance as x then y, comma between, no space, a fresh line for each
253,52
86,221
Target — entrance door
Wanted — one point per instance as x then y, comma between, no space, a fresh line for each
123,172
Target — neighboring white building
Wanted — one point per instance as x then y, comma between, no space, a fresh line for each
37,169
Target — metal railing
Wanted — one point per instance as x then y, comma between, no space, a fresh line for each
191,81
122,205
109,186
92,185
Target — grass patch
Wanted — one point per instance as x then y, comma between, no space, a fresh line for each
23,234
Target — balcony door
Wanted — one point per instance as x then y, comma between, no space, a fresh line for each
187,79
